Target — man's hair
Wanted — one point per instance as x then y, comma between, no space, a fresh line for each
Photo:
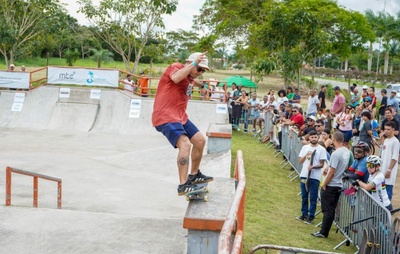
296,89
390,124
295,107
320,121
384,91
388,109
312,133
366,114
338,136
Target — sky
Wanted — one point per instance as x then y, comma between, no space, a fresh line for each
183,17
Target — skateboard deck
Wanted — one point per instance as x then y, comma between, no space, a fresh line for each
366,244
309,171
200,194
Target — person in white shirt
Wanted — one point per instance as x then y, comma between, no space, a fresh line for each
390,155
313,104
313,170
129,84
376,182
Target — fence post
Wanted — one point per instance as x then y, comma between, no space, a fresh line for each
59,191
35,191
8,186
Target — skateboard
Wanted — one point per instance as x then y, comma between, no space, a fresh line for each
366,245
200,194
309,171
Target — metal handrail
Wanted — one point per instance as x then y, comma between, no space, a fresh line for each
235,218
35,176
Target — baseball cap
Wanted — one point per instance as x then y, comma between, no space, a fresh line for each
12,65
312,118
365,87
336,88
393,91
367,98
203,63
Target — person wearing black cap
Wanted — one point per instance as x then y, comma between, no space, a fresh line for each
383,106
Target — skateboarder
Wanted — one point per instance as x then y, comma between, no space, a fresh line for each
169,117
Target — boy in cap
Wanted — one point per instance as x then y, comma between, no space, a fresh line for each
170,118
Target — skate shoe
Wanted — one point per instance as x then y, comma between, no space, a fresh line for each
187,187
200,178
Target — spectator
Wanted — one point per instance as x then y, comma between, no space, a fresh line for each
320,114
290,94
144,85
23,68
263,108
394,114
319,126
366,129
358,170
339,102
392,100
273,102
282,97
345,122
296,118
365,91
383,106
376,182
254,110
355,98
313,104
326,138
390,118
328,120
307,128
271,93
390,155
243,101
333,185
236,107
321,98
11,67
371,93
313,170
297,96
353,87
129,84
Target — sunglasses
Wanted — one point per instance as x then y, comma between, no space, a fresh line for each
370,165
200,70
294,111
318,125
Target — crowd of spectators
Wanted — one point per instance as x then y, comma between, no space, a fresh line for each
355,141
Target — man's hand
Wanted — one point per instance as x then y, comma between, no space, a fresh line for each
201,57
387,174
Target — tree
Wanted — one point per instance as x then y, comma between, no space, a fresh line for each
127,25
101,56
71,56
21,21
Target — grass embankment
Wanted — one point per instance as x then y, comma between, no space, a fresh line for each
272,202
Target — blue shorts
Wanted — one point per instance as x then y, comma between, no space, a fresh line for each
174,130
347,135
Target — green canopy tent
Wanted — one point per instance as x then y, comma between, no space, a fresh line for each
240,80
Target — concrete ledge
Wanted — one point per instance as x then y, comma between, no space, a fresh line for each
219,138
204,220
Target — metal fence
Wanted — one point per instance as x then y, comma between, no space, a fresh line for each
354,213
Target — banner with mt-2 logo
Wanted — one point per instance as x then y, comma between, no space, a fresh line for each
82,76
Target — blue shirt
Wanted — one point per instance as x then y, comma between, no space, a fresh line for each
360,169
393,101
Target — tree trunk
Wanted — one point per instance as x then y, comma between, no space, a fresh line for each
346,64
299,77
99,62
385,69
370,53
313,69
391,69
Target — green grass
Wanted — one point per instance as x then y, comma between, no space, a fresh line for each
272,202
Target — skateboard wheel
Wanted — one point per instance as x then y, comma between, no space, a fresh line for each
187,198
369,244
205,199
377,245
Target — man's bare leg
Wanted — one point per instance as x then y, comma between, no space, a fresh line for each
198,142
184,146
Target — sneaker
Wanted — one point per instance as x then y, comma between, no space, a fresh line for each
238,129
245,131
200,178
318,234
187,187
308,221
253,130
301,217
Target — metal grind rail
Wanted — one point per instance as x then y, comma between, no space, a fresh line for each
36,176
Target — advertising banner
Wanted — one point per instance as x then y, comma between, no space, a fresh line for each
83,77
14,79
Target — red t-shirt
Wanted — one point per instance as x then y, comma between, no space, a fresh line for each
298,119
171,99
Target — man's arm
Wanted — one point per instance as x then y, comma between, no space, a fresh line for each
181,74
329,177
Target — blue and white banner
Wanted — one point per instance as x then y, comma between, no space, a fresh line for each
14,79
83,77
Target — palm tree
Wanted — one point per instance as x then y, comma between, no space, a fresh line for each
101,55
373,22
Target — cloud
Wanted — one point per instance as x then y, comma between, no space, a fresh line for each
392,6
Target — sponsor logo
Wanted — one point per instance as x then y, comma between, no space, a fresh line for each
66,75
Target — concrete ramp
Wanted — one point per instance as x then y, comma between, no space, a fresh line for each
73,116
